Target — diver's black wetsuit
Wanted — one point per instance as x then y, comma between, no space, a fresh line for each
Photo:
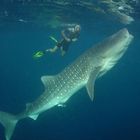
64,44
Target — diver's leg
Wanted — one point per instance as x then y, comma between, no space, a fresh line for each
52,50
64,48
63,52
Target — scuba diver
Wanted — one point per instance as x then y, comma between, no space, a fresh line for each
69,35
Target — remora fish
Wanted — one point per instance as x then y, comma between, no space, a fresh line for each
83,72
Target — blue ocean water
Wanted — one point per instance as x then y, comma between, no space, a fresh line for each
114,114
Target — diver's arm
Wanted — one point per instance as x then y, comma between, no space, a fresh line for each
64,36
76,37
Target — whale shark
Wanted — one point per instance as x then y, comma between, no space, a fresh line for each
83,72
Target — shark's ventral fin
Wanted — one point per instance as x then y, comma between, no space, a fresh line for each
34,117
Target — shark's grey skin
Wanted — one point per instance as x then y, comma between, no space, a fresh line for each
83,72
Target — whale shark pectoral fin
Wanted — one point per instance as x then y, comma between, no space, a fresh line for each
34,117
46,80
91,83
90,87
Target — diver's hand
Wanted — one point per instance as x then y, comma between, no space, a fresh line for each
69,40
47,50
74,39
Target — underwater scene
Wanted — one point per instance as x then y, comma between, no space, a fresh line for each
69,70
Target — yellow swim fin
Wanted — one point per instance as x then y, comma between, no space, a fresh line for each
38,54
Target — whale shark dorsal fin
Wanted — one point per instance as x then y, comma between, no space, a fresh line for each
91,83
46,80
28,105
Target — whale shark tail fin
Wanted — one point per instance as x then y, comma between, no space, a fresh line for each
9,122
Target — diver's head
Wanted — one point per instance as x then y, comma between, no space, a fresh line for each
77,28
